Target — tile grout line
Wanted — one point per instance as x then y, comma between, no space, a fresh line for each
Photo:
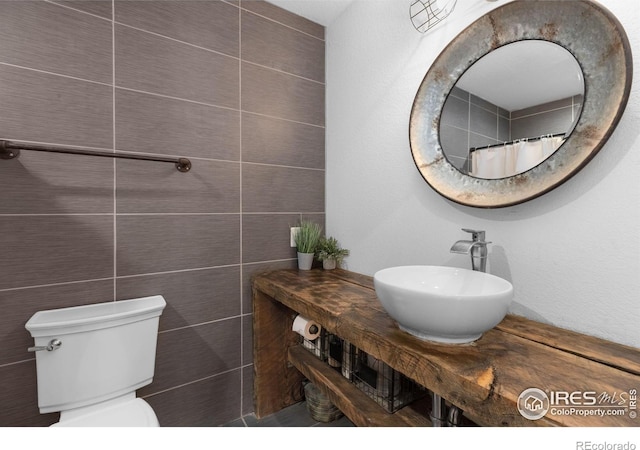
147,274
232,213
323,39
188,383
241,403
113,129
200,324
63,283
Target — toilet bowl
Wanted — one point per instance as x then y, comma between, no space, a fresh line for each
91,359
125,411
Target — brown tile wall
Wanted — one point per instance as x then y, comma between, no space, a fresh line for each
238,87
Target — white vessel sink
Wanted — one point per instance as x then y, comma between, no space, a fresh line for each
443,304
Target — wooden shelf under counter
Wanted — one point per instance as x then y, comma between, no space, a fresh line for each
483,378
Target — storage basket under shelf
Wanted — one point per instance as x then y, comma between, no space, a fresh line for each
386,386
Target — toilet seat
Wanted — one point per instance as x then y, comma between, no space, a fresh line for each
125,411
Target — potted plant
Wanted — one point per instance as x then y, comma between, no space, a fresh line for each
307,239
330,253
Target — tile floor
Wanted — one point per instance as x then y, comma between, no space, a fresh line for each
293,416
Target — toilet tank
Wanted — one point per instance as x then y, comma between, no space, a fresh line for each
107,350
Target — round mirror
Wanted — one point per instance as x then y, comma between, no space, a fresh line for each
568,63
512,109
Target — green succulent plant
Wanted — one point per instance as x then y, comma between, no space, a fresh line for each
329,248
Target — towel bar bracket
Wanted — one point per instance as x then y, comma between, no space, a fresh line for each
7,153
183,165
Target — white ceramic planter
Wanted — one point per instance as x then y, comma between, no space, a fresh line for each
305,260
329,264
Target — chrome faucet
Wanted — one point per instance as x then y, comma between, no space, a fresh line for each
476,247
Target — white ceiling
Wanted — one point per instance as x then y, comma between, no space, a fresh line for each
320,11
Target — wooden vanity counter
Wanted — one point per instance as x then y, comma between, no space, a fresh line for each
483,378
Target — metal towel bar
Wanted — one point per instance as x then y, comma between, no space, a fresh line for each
10,150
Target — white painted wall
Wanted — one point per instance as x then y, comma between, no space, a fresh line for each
573,255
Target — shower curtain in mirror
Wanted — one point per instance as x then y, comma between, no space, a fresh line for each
512,158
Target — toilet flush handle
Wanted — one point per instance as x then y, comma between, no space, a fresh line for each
54,344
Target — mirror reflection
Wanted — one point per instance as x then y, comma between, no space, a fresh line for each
512,109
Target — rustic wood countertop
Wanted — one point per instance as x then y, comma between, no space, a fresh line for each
484,378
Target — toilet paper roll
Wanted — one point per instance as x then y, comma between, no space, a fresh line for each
307,328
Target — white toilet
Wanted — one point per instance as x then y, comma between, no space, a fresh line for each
91,359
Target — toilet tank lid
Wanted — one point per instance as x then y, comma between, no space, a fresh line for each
77,319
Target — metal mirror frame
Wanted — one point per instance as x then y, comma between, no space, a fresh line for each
597,40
